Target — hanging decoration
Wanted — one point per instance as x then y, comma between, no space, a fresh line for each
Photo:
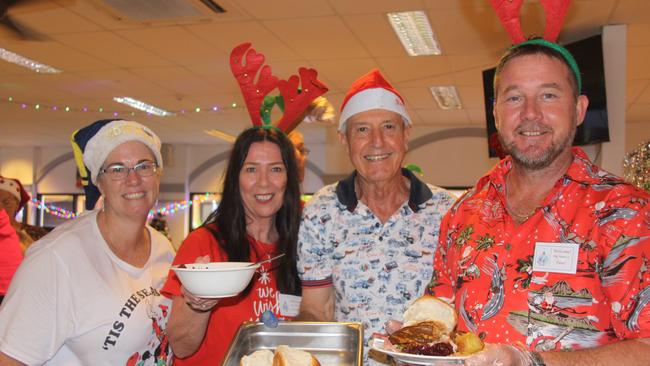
59,212
636,166
166,210
36,106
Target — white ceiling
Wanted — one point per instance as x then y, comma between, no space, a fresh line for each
181,63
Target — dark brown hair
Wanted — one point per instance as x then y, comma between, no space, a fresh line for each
230,216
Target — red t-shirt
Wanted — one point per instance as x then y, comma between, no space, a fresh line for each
485,262
11,254
229,313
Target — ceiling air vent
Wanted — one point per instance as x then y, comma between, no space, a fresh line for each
153,10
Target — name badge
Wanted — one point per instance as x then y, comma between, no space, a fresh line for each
556,257
289,305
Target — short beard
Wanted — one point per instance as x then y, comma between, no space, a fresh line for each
546,158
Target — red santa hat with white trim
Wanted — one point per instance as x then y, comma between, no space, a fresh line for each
371,91
14,187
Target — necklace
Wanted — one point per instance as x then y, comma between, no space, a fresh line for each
519,217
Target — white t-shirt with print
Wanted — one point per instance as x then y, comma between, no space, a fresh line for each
74,302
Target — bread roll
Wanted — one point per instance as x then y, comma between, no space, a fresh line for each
287,356
262,357
428,308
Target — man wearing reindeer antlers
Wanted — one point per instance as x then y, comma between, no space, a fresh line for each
366,243
547,252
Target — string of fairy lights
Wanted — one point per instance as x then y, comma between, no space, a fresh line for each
35,106
166,210
170,208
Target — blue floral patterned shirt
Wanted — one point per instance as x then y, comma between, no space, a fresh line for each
376,268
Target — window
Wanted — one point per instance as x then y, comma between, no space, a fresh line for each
203,205
73,203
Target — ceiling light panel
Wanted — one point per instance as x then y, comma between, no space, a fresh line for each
140,105
446,97
415,33
26,62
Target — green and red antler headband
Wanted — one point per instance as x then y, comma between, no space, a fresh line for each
555,11
245,64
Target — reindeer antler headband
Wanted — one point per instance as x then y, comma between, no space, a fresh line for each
245,64
555,12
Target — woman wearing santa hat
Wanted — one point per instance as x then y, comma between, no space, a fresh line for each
88,292
15,237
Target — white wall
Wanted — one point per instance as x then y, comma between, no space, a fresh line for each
614,56
637,133
454,162
18,163
62,178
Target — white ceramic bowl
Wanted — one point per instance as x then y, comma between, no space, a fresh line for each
216,279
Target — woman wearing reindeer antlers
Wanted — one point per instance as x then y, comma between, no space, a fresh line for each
257,219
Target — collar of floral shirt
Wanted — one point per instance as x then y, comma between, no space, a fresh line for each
419,192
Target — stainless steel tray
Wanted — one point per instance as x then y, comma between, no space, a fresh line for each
339,344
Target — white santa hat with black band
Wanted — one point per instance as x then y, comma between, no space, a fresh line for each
92,144
371,91
111,136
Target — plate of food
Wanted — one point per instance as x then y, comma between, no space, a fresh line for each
428,336
380,345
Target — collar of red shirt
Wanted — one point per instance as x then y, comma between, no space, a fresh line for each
581,171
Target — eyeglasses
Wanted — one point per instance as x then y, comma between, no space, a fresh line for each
120,172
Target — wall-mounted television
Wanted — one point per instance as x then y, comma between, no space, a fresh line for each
589,56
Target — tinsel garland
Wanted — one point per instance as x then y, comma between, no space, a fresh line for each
636,166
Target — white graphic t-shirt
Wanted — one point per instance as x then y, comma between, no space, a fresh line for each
73,302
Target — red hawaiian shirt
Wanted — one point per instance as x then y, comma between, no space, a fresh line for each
485,262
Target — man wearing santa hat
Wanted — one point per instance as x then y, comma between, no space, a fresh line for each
366,243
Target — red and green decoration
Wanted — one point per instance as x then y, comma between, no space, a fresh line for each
414,169
257,81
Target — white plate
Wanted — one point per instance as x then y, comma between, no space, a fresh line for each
378,345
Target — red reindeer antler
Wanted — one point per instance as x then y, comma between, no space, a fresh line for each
508,13
245,74
296,101
555,12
